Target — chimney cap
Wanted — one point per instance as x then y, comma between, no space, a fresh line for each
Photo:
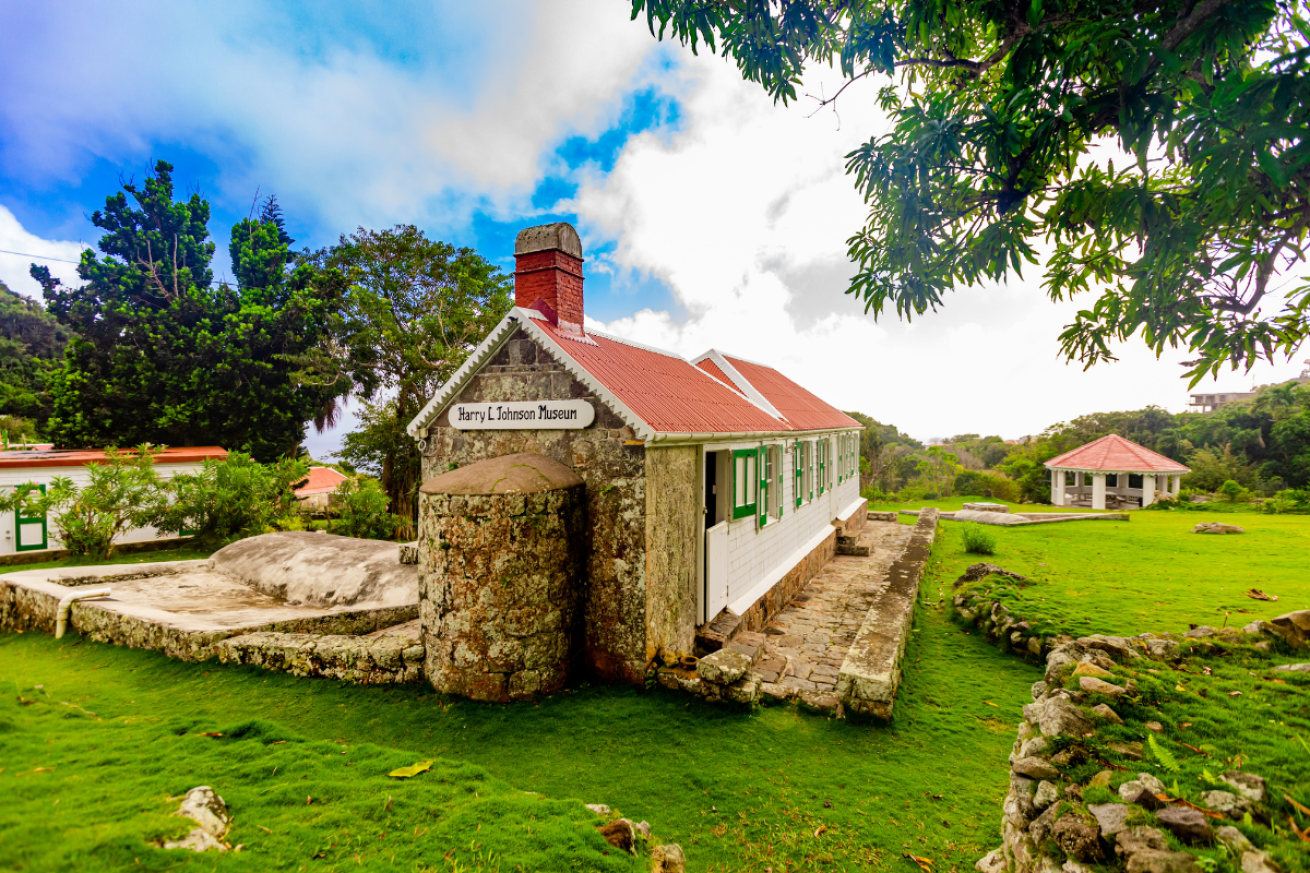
548,237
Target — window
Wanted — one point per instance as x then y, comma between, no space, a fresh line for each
30,532
841,458
745,482
1111,480
1134,480
779,454
766,481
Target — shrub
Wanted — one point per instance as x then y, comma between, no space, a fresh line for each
231,498
1233,493
123,493
983,484
978,540
361,509
1294,501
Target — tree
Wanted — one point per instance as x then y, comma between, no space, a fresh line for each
31,346
993,153
415,310
163,354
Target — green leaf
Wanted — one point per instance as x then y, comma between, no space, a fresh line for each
412,770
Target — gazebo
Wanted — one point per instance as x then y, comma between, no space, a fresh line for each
1115,467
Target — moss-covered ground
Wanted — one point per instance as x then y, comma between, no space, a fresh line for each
1147,574
774,789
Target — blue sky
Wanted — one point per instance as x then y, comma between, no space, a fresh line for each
710,216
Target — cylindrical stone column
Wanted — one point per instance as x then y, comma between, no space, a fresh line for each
501,563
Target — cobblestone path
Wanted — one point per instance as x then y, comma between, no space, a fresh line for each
804,645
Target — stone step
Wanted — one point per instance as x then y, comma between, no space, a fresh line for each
376,659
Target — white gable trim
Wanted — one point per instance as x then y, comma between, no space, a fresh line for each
749,391
488,347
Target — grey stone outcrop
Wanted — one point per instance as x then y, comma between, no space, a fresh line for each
204,807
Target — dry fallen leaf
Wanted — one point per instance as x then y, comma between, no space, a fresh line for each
989,703
1234,694
924,863
1289,799
1257,594
213,734
411,770
820,829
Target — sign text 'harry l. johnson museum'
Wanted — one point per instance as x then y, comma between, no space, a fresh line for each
712,484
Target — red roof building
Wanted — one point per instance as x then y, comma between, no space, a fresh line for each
322,480
1113,470
709,481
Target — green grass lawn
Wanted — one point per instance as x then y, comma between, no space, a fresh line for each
776,788
1147,574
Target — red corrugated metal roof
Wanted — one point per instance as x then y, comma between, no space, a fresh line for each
82,457
665,391
321,480
804,410
1115,453
716,371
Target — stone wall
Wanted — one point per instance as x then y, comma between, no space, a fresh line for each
612,463
362,660
673,524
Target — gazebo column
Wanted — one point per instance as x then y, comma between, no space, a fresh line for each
1177,486
1148,489
1057,488
1098,491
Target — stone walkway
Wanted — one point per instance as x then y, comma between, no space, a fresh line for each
806,643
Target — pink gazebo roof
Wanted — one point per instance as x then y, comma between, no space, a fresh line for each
1113,453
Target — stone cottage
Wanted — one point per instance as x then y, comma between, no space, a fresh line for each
712,488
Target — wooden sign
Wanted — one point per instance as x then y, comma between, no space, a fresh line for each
523,415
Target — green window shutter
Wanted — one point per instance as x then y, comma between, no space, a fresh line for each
782,469
762,502
798,462
745,484
809,466
822,446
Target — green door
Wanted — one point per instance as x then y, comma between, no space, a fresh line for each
29,531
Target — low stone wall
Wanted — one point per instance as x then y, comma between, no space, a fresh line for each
24,609
1048,825
871,671
361,660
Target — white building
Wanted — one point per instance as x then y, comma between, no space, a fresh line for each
42,466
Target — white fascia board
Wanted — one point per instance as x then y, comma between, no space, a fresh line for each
499,335
1092,472
642,429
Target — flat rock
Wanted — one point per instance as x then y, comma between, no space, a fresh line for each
1294,626
1105,712
1086,668
1226,802
1258,862
1293,668
1186,824
1111,817
1216,527
1249,785
1162,650
1035,768
1152,861
723,667
598,808
1140,839
1234,839
992,862
203,806
1152,784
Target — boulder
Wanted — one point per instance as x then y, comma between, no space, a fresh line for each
1249,785
1046,794
203,806
1092,685
1200,633
1086,668
1294,627
1039,688
1186,824
1044,824
1105,712
599,808
1139,839
1035,768
668,859
1282,668
1226,802
992,862
1216,527
1080,840
1111,817
619,834
1151,783
974,572
1233,839
1163,650
1258,862
1059,717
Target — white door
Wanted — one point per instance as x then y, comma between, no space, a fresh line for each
716,570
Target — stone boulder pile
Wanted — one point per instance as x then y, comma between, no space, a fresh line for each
1055,822
724,676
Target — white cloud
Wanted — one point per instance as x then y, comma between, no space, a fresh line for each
354,135
33,249
744,214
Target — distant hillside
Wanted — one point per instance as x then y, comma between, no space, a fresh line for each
31,344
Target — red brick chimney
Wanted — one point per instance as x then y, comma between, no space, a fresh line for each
548,273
